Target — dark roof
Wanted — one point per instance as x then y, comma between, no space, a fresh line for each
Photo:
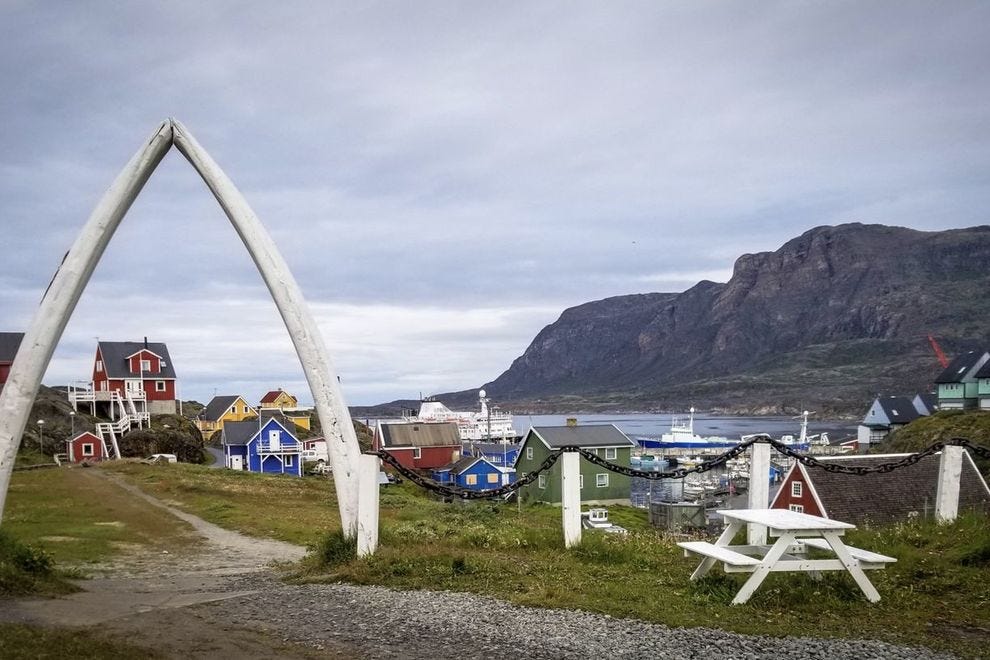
928,401
462,464
421,434
217,406
959,367
899,409
984,371
115,354
239,433
885,498
9,343
490,447
598,435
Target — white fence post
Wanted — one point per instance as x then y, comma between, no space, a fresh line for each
368,493
570,497
949,476
759,489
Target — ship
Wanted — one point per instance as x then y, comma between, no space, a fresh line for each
682,436
487,424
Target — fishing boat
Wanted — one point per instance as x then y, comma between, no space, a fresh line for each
488,423
682,436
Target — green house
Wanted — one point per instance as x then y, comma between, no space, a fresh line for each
959,384
983,386
598,485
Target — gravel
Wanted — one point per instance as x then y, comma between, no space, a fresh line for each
385,623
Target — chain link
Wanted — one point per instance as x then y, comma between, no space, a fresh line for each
679,473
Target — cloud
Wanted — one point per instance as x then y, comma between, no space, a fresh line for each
496,160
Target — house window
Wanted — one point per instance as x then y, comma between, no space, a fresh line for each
610,453
99,365
797,489
541,481
529,453
159,385
471,479
796,508
288,461
245,410
493,478
601,480
417,452
145,365
87,449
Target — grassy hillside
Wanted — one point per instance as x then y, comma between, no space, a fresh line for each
974,425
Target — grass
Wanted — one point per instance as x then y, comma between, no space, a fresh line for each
19,642
25,569
80,519
936,595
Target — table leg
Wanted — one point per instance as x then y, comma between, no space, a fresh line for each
852,565
723,540
763,570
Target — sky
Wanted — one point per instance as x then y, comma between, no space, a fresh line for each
445,178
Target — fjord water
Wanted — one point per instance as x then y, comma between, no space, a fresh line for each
730,426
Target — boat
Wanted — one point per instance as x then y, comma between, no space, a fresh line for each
488,423
804,441
597,518
682,436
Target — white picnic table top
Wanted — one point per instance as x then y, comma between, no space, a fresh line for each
784,519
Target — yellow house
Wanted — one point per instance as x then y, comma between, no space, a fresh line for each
278,400
220,409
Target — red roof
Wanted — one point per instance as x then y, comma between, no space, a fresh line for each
271,396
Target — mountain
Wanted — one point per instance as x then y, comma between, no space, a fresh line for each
829,319
826,322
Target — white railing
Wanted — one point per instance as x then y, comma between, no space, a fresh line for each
281,448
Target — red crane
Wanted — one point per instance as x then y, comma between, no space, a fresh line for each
944,361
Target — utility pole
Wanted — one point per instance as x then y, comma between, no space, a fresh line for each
41,434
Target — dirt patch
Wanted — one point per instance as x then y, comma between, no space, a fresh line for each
148,597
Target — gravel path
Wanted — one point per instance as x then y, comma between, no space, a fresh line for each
383,623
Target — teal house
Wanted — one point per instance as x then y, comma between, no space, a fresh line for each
959,383
598,485
983,386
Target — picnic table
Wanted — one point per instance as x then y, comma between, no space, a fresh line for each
795,532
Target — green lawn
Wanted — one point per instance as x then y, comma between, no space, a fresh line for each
80,518
937,595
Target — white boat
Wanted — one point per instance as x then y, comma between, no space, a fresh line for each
597,518
682,436
488,423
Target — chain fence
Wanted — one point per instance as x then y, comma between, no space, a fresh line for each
459,492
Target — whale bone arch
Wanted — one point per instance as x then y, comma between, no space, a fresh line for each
73,274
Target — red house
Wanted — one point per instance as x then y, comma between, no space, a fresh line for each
9,343
136,370
876,498
85,447
421,446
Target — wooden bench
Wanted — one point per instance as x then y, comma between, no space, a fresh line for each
720,553
864,556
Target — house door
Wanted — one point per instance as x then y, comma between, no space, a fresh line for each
132,386
236,462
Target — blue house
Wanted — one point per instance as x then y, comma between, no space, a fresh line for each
474,473
266,446
500,454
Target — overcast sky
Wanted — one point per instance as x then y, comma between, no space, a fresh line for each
445,178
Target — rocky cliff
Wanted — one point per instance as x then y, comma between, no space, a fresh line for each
831,318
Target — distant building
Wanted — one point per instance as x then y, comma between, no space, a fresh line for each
887,414
500,454
926,403
86,447
9,343
220,409
262,446
876,498
474,473
278,400
958,386
419,445
983,386
598,485
138,374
